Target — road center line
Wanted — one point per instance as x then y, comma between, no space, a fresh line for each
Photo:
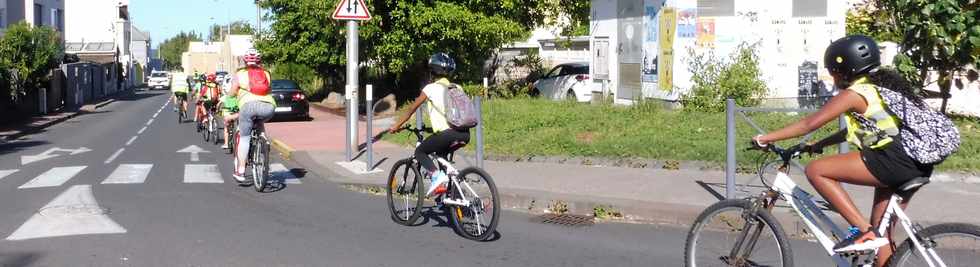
130,142
149,122
114,155
141,130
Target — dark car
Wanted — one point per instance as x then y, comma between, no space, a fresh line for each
291,102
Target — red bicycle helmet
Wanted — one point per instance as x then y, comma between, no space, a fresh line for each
252,57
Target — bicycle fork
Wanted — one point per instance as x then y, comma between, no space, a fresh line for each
749,235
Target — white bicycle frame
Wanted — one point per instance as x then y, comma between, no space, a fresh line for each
803,204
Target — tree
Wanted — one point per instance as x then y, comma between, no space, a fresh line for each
941,36
172,49
867,19
402,34
238,27
27,55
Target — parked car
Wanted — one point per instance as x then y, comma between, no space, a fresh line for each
159,80
566,81
291,102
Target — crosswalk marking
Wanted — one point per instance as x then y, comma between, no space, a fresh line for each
129,174
53,177
280,172
202,173
4,173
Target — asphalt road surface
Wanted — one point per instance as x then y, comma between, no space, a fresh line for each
111,189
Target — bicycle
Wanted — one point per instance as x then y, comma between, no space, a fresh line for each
751,217
210,130
257,158
232,131
467,207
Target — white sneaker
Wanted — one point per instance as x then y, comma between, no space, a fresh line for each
225,146
238,177
852,244
438,179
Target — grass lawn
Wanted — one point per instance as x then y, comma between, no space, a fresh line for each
548,128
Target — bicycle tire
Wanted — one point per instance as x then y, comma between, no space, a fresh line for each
214,131
742,205
405,192
457,213
907,255
260,164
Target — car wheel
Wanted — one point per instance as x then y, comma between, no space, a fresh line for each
534,92
570,96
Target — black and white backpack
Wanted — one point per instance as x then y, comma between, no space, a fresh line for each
927,135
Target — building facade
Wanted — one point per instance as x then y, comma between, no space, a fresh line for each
49,13
641,48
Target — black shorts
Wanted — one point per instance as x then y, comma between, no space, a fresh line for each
181,95
892,166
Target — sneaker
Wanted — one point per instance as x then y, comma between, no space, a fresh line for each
439,180
858,242
240,178
225,146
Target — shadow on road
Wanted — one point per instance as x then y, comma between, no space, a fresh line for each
19,259
15,146
136,96
439,215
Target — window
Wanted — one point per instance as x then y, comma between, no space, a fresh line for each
554,72
809,8
61,20
38,15
3,18
717,8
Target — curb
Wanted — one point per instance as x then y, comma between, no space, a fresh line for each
285,150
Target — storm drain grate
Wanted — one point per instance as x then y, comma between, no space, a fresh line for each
569,220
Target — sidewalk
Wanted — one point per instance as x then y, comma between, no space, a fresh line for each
651,195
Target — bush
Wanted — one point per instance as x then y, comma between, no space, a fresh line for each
29,53
306,77
715,80
519,87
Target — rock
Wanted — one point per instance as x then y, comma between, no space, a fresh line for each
387,105
333,101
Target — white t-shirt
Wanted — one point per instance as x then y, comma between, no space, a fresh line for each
436,92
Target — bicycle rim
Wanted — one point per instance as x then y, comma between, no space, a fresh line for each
954,244
404,193
478,220
718,230
259,165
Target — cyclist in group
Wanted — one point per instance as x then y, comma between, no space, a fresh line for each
444,139
882,162
207,98
229,113
251,85
179,87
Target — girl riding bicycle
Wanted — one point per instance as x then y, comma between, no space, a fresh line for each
881,163
445,139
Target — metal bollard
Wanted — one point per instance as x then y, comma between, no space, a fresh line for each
730,148
368,97
347,137
479,131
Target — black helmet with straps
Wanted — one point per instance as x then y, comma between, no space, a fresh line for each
441,64
852,56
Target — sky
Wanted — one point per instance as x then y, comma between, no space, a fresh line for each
166,18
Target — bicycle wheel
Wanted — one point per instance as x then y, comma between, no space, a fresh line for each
478,220
405,195
955,244
215,137
260,163
727,233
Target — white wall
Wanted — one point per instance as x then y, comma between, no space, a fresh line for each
604,27
91,20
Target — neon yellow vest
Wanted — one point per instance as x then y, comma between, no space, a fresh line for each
867,137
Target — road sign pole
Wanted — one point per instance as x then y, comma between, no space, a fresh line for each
369,99
352,62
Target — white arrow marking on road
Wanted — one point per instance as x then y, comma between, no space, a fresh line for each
74,212
194,150
5,173
47,154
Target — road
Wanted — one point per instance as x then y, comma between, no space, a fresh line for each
110,189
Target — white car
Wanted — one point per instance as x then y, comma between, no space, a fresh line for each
159,80
566,81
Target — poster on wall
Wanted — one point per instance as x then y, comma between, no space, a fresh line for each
668,22
650,48
706,32
687,23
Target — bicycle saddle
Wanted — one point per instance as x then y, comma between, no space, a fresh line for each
913,184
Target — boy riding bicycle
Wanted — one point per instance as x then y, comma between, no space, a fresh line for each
179,87
229,113
206,100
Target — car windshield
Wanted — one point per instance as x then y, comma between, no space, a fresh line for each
158,75
284,85
578,69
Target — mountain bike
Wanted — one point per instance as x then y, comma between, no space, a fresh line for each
210,131
181,111
257,159
751,236
471,195
232,129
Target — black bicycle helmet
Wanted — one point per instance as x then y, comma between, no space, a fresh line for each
852,56
441,64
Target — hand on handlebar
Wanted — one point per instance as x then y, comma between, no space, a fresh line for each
758,144
394,130
811,149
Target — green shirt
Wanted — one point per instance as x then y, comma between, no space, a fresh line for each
230,103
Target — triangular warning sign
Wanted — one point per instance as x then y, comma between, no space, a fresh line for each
351,10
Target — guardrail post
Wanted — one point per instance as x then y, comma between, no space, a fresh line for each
369,98
842,123
730,164
479,131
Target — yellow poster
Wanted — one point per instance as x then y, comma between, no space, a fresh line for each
665,66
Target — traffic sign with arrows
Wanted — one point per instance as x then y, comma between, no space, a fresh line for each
351,10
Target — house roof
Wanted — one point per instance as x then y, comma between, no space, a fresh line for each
90,48
139,35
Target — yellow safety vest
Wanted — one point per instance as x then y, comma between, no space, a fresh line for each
863,135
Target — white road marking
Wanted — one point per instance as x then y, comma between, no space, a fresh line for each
155,114
5,173
141,130
194,151
130,142
280,172
47,154
149,122
202,173
129,174
114,155
53,177
73,212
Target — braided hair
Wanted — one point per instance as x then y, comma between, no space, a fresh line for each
892,79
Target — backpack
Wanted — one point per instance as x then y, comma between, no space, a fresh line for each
460,112
927,135
258,82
